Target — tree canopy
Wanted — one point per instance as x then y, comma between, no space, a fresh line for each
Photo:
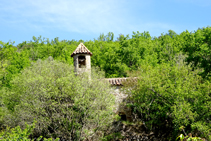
65,106
173,88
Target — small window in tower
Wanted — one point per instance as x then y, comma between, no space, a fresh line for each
82,62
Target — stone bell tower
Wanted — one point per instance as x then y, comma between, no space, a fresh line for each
82,59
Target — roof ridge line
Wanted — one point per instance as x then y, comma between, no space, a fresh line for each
81,49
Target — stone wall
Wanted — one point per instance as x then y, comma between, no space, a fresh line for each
88,64
120,107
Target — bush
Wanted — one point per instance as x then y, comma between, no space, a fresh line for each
64,105
173,96
17,134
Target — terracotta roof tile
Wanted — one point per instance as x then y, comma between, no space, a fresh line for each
118,81
81,49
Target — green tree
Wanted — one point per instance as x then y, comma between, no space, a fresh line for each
168,97
197,47
12,62
64,105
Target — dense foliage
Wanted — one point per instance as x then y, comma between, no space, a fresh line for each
63,105
173,98
174,82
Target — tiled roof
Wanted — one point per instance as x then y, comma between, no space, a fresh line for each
119,81
81,49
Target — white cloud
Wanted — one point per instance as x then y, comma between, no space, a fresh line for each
77,16
81,16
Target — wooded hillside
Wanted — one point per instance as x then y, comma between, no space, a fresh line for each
174,72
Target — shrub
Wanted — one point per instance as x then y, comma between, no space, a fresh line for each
64,105
173,96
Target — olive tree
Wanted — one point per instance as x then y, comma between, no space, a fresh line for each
63,104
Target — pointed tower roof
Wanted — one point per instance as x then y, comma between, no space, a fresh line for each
81,49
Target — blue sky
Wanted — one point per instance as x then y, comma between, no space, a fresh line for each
87,19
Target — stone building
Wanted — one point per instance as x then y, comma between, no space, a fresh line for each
82,63
82,59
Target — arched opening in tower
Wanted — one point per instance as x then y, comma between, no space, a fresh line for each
82,61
